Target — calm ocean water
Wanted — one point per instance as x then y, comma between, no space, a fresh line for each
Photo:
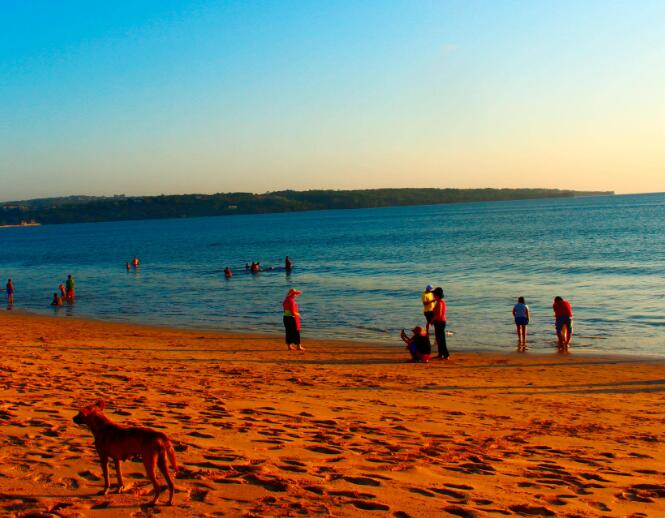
362,271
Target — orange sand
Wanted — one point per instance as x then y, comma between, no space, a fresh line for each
342,430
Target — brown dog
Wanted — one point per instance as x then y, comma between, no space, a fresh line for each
122,442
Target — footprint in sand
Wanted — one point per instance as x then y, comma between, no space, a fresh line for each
369,506
362,481
198,495
89,475
271,484
325,450
458,495
423,492
531,510
201,435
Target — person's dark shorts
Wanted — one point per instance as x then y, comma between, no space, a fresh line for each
521,321
562,322
429,315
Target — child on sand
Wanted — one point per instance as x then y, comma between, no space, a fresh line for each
292,320
563,321
418,344
10,291
522,314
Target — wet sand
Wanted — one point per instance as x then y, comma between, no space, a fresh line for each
342,429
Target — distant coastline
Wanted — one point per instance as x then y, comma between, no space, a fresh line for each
90,209
22,224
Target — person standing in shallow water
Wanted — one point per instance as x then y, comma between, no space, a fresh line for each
522,314
292,320
69,287
439,323
10,292
563,321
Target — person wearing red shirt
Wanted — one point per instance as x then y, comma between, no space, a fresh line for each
563,321
439,323
292,320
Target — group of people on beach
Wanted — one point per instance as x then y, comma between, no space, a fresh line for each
418,343
563,321
66,294
434,309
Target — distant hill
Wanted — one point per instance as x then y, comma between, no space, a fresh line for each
82,209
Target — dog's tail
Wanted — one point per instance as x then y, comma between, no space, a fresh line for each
170,452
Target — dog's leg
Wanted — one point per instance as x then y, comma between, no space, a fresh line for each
104,460
161,462
149,461
121,486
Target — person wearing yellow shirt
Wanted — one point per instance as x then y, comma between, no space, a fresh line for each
428,303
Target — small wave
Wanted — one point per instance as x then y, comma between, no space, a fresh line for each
375,329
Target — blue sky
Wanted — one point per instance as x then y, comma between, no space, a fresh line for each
178,97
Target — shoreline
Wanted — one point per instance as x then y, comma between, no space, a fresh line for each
344,343
337,430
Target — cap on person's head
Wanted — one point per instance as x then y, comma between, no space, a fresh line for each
294,292
429,287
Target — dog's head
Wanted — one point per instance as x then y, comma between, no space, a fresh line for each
83,417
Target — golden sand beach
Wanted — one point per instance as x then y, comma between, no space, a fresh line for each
343,429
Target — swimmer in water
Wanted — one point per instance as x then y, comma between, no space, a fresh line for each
135,262
228,273
288,265
57,301
128,266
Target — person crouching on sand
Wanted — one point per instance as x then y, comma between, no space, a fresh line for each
439,323
292,320
418,344
563,321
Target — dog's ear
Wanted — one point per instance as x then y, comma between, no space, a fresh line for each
100,404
